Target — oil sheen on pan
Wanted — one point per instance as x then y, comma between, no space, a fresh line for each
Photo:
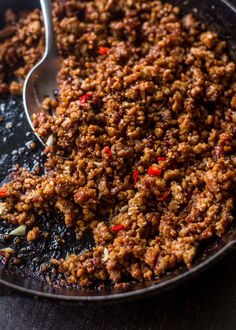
138,172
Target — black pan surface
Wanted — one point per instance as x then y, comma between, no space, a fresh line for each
15,136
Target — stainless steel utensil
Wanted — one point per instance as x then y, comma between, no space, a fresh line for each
41,80
220,14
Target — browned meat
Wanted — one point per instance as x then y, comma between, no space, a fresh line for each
146,119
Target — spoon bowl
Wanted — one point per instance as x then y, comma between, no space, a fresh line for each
41,80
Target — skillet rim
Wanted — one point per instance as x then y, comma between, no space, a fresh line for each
138,293
129,295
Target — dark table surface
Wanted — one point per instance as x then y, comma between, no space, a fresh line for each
206,302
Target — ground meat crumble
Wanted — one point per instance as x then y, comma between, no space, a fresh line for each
140,140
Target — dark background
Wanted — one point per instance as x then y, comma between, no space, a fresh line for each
206,302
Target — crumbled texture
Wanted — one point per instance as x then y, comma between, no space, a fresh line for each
145,121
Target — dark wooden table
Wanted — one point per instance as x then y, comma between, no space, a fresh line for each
206,302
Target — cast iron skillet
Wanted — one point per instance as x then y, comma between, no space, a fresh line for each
221,15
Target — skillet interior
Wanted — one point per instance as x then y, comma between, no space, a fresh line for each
221,17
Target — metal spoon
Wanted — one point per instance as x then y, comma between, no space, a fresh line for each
41,80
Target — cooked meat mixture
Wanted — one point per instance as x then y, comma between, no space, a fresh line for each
140,139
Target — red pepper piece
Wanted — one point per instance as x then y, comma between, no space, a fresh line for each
3,193
117,228
108,151
135,177
154,171
164,196
161,159
103,50
84,98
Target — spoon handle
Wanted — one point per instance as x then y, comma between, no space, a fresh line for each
50,41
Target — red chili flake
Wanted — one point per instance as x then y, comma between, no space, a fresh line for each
103,50
84,98
3,193
108,151
164,196
161,159
154,171
117,228
135,177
